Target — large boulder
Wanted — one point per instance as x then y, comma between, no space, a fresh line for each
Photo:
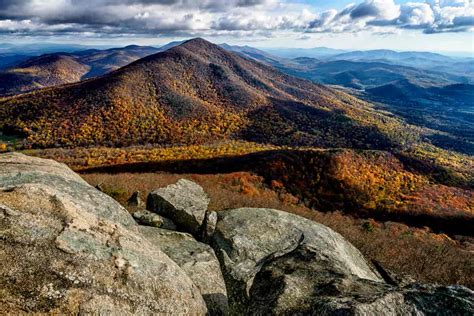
184,202
279,263
299,283
197,260
67,248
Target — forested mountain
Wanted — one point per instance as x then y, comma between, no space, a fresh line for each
59,68
198,92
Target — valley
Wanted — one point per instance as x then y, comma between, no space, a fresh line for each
410,85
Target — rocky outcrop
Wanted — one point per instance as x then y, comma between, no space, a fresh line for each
147,218
67,248
278,263
197,260
184,202
247,240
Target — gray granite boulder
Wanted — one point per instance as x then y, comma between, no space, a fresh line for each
279,263
67,248
299,283
197,260
184,202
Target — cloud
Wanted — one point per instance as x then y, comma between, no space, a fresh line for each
379,9
375,15
264,17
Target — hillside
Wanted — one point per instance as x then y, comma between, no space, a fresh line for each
448,109
105,61
60,68
194,93
431,99
387,187
40,72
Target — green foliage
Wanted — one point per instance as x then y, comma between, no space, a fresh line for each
368,226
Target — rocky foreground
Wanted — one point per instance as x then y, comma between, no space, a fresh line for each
66,247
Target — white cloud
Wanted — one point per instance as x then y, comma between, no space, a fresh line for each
152,17
372,15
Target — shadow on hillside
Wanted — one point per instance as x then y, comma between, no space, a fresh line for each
290,123
452,143
436,173
305,174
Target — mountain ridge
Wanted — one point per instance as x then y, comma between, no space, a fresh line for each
64,67
192,93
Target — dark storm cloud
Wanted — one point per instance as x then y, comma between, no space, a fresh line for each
364,10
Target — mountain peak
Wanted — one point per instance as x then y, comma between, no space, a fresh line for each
133,46
200,47
197,41
199,44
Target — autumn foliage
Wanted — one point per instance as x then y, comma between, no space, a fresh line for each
193,94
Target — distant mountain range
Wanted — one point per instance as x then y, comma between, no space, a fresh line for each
368,69
437,99
193,93
359,69
438,94
449,109
423,60
317,52
60,68
12,54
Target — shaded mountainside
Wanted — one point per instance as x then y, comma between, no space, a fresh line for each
447,109
105,61
60,68
193,93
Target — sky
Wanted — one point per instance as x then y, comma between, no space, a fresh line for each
431,25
